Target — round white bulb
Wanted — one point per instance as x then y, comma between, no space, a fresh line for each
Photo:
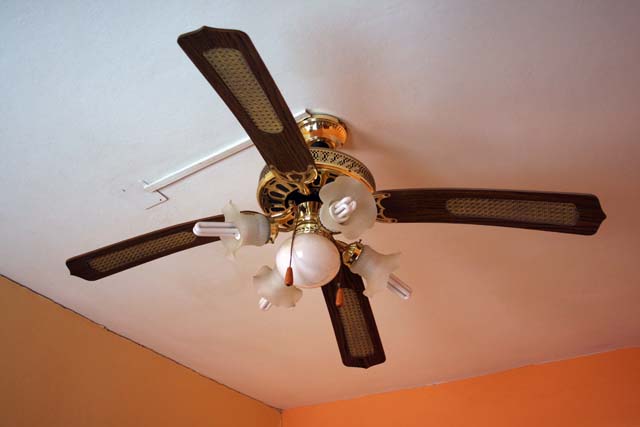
315,261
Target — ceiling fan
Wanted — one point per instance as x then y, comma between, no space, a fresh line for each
316,192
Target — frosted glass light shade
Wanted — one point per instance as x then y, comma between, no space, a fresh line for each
254,229
375,268
315,261
361,219
270,286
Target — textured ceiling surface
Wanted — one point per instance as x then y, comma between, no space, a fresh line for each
485,94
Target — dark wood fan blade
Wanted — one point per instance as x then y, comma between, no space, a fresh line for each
561,212
232,65
353,322
130,253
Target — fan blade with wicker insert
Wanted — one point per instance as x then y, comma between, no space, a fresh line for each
561,212
353,322
231,64
130,253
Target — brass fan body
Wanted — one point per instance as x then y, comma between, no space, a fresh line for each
323,133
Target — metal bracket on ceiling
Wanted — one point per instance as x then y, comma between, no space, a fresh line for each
134,195
156,185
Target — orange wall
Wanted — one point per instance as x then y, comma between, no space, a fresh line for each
600,390
59,369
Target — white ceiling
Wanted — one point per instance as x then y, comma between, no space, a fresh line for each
491,94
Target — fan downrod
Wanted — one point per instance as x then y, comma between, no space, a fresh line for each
323,131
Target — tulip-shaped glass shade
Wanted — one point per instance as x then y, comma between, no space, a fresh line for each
315,260
254,229
362,217
270,286
375,268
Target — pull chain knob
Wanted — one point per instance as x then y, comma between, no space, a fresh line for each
288,277
339,297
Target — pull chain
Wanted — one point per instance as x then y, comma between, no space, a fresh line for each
288,277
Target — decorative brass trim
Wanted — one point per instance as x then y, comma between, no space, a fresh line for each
379,197
308,220
273,191
274,229
323,128
341,245
344,164
299,179
272,197
331,160
351,253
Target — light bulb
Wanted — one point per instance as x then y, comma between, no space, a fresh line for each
398,287
315,260
264,304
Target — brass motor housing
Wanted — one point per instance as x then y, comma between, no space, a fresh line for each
278,197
